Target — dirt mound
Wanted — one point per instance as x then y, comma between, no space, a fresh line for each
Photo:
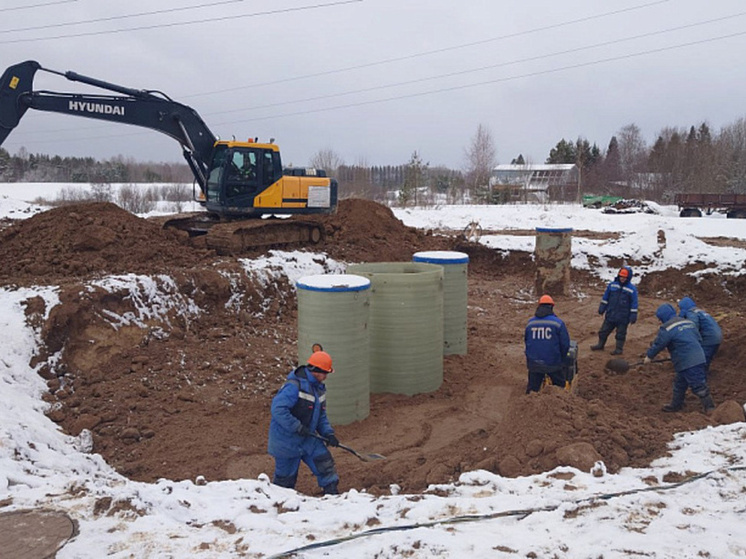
184,388
365,231
89,239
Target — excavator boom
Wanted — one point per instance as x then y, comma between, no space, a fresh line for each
136,107
237,179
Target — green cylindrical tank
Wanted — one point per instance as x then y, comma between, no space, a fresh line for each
406,326
455,295
553,256
333,311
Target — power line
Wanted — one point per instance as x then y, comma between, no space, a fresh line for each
538,29
436,51
490,82
113,18
182,23
491,66
36,5
442,90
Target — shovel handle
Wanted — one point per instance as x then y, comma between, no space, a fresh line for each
653,361
363,457
343,447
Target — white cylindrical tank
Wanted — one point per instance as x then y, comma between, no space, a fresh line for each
455,295
406,326
333,311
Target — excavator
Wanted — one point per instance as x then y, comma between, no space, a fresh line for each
237,180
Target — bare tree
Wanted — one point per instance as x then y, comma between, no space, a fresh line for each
730,146
358,183
481,158
632,153
327,159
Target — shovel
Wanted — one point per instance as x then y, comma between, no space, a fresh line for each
621,366
365,457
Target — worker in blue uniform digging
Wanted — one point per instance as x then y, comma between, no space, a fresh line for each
298,415
683,341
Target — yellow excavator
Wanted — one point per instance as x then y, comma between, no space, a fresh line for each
235,180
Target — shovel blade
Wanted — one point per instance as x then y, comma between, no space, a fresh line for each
364,456
371,456
618,366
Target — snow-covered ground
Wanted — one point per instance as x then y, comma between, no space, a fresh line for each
565,513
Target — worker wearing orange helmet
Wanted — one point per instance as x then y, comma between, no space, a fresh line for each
300,428
547,343
619,307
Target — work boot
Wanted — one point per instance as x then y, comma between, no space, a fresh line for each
707,404
597,346
668,408
331,489
617,351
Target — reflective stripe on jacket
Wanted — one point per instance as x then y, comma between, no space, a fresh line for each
619,302
681,337
300,401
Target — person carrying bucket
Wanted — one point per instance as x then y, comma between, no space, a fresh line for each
298,419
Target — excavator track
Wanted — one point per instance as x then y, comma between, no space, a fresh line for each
244,235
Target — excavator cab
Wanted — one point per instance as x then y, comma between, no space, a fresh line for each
247,178
238,173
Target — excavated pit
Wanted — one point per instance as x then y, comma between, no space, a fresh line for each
179,392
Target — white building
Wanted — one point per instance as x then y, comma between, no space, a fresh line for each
535,182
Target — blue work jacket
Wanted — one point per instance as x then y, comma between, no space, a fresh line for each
708,327
681,337
547,341
619,302
300,401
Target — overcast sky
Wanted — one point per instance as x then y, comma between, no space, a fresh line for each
375,80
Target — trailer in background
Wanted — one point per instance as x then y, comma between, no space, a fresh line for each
694,205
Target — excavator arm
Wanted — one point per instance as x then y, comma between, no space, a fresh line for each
143,108
238,179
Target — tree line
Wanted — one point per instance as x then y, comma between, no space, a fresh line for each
30,167
693,159
683,159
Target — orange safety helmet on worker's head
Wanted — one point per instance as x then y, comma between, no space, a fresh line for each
322,361
623,273
546,300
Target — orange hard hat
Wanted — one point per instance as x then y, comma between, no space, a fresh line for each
624,272
321,360
546,300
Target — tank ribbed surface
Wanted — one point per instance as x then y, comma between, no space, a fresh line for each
455,296
406,326
333,310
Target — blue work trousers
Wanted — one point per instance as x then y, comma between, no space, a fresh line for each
320,463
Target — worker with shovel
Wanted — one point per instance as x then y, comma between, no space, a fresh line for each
300,428
709,329
681,338
619,305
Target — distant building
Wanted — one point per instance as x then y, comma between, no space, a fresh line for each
534,183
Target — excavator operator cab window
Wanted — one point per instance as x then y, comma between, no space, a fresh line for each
271,166
215,176
242,173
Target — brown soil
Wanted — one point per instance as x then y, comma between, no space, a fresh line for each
176,397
